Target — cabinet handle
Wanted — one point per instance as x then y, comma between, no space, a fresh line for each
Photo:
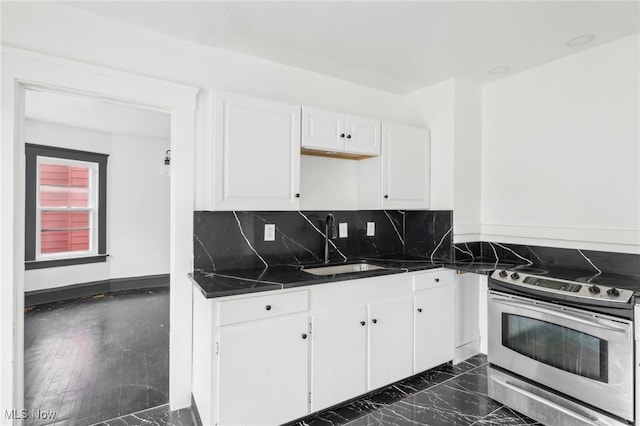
348,136
419,310
386,196
375,321
304,335
362,323
342,135
298,195
437,280
268,307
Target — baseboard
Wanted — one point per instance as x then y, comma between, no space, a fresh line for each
57,294
148,281
196,413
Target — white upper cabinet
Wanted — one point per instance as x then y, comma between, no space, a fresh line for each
405,167
256,153
335,132
362,135
322,129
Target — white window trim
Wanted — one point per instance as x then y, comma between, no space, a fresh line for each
92,209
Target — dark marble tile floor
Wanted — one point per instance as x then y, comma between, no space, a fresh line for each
444,396
97,358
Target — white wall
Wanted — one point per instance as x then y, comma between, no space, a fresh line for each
561,152
137,205
467,161
328,183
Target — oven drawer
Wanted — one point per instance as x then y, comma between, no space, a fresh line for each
541,405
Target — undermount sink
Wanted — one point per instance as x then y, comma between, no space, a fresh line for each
343,269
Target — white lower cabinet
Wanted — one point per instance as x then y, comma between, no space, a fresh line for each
263,371
339,349
433,327
271,358
390,342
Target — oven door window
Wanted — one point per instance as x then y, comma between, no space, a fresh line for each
560,347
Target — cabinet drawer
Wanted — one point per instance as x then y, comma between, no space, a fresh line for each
259,307
430,280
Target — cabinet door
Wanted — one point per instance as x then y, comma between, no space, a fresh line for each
433,327
264,371
390,342
256,154
338,356
322,130
362,135
405,170
467,294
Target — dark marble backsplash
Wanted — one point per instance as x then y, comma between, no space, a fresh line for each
541,257
235,239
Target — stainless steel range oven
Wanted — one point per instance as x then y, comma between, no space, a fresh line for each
561,351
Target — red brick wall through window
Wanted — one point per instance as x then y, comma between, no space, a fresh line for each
61,187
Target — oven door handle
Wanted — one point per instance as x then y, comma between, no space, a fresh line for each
579,416
552,312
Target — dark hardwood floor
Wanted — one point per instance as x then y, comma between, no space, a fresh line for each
97,358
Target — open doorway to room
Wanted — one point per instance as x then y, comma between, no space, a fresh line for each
97,250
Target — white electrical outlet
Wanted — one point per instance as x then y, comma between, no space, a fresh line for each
269,232
371,229
342,230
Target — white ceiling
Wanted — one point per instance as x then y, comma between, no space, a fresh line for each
93,114
390,45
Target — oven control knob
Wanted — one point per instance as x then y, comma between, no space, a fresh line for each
502,274
594,289
515,276
613,292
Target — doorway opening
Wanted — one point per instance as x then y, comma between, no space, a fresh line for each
97,251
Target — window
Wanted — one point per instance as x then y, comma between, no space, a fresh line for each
65,207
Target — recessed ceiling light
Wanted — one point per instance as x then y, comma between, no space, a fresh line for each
580,40
499,70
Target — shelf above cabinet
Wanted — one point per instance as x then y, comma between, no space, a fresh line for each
334,154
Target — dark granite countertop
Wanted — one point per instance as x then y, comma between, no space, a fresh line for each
242,281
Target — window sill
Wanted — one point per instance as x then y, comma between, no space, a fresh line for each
52,263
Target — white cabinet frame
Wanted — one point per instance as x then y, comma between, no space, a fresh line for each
335,312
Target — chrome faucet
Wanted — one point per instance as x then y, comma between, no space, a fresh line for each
329,227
